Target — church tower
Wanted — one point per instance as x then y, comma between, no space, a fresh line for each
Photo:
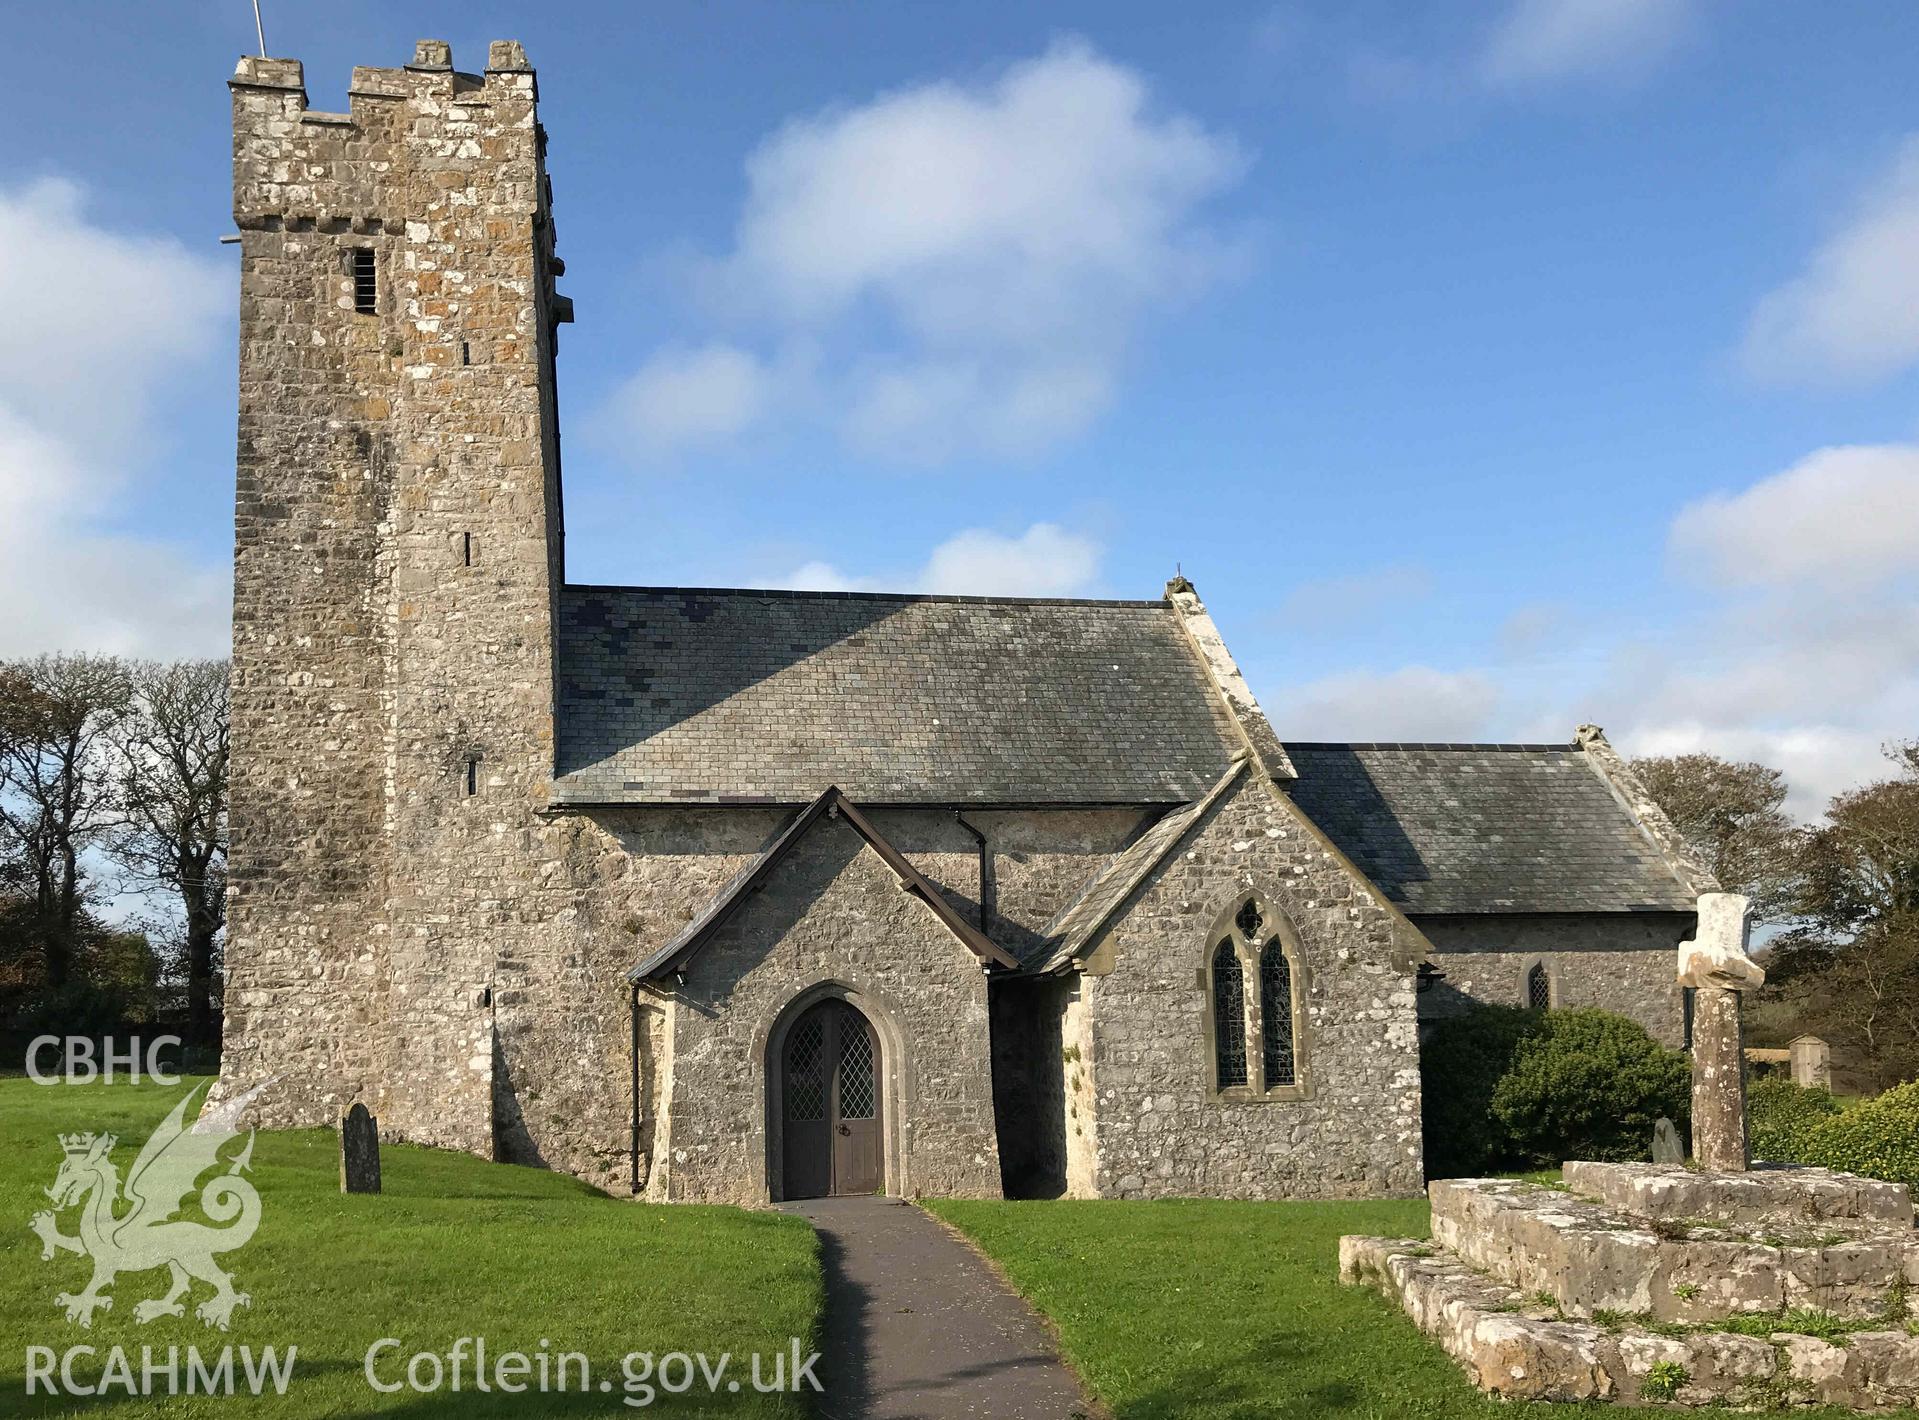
398,555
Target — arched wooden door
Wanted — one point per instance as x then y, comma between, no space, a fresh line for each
830,1100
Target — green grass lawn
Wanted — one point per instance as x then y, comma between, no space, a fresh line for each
1196,1310
454,1247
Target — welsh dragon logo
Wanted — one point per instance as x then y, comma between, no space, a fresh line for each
147,1235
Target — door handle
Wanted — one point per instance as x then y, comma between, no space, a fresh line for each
845,1129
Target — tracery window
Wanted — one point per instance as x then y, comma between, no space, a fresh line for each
1254,987
1276,1015
1229,1017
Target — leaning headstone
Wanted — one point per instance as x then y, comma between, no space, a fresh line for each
359,1151
1667,1147
1714,963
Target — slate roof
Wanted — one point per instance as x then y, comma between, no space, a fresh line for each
1075,927
673,695
1484,828
674,955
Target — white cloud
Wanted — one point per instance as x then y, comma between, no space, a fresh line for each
1841,516
1044,561
1805,657
96,323
685,397
1540,41
1817,760
1416,703
974,260
1853,313
94,319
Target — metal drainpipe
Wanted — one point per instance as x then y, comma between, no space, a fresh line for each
634,1133
986,893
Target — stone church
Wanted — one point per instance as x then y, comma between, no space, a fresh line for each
743,895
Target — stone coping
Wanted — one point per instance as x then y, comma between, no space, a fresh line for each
1520,1348
1767,1195
1590,1258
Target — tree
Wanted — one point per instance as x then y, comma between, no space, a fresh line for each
58,791
1852,969
172,745
1733,815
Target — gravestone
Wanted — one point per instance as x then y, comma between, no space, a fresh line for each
1715,965
1811,1062
1667,1146
359,1151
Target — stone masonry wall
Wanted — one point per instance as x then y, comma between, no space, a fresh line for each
397,552
1625,963
616,884
1162,1130
831,914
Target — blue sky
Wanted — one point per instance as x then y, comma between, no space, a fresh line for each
1489,366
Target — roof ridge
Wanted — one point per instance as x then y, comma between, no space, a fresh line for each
796,594
1485,747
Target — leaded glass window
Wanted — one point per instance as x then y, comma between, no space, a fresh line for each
1229,1016
1248,920
1539,988
856,1070
1276,1015
806,1069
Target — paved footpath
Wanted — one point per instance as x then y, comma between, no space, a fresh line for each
918,1328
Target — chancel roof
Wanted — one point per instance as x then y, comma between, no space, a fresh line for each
1461,828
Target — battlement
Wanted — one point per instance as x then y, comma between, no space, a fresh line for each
431,73
422,131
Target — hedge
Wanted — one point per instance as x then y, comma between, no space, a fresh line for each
1780,1115
1879,1138
1505,1087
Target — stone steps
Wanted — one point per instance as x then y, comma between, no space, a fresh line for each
1512,1345
1761,1197
1681,1267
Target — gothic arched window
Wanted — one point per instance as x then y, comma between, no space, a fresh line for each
1539,988
1276,1015
1229,1017
1256,984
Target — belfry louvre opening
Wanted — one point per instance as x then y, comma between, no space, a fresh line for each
366,286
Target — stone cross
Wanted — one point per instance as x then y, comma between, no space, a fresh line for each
359,1151
1715,965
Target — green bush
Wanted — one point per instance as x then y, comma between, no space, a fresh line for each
1589,1085
1460,1065
1879,1138
1506,1088
1781,1115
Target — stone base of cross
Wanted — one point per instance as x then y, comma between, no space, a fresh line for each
1715,965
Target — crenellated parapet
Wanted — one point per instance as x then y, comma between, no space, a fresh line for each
397,154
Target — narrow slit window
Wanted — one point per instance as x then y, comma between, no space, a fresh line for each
366,284
466,549
466,353
1229,1017
472,775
